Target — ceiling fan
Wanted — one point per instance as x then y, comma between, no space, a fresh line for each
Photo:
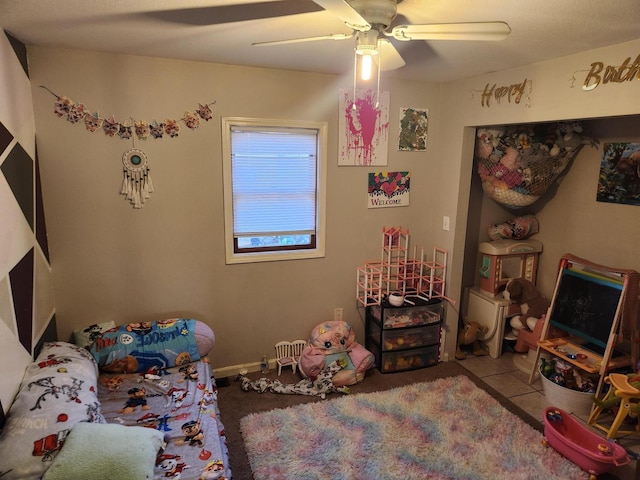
370,21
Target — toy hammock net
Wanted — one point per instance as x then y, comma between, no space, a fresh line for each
518,164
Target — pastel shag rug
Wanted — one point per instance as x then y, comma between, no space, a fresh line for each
446,429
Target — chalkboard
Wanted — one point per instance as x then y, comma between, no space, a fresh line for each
585,305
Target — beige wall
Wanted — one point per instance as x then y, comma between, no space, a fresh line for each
112,262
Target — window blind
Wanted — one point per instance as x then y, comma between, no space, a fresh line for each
274,185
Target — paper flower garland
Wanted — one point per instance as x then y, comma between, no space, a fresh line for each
65,107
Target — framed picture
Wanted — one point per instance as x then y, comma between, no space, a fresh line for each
389,189
619,180
363,128
413,129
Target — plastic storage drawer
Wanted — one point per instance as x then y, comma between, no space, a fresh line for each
409,359
398,339
406,316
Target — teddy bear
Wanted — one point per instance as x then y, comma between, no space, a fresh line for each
468,335
335,340
532,304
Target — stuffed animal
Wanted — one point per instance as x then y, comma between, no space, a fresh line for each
335,340
532,304
518,228
468,335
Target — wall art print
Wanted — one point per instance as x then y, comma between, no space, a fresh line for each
363,128
413,129
619,180
389,189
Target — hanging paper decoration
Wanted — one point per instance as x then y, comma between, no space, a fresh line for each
171,127
142,129
93,122
77,112
204,111
65,107
191,120
110,126
125,132
136,182
157,129
62,106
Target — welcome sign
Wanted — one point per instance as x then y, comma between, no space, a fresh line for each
389,189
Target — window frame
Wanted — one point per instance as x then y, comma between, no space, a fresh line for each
260,255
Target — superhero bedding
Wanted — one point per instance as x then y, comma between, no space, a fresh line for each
139,404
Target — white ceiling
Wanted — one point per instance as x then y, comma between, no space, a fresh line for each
221,31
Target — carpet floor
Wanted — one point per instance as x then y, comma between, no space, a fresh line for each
236,404
442,430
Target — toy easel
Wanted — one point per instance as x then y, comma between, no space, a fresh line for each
412,277
624,323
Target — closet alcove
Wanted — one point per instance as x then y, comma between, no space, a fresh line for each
569,216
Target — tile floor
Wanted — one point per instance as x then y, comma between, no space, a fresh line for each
506,378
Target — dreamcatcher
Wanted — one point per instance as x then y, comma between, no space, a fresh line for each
136,182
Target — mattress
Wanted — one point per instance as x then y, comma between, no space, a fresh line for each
182,403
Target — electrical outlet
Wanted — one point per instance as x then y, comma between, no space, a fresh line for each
338,313
445,223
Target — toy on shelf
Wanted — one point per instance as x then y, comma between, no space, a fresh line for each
399,274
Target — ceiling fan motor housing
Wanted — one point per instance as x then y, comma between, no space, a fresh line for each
379,13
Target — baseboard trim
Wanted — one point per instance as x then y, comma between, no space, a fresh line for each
233,370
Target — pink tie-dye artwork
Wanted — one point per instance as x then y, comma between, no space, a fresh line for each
363,130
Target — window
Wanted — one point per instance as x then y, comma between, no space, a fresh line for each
274,189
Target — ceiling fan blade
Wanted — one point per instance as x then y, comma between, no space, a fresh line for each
216,15
332,36
346,13
389,57
452,31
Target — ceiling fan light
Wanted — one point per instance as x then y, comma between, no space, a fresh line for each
367,43
366,67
